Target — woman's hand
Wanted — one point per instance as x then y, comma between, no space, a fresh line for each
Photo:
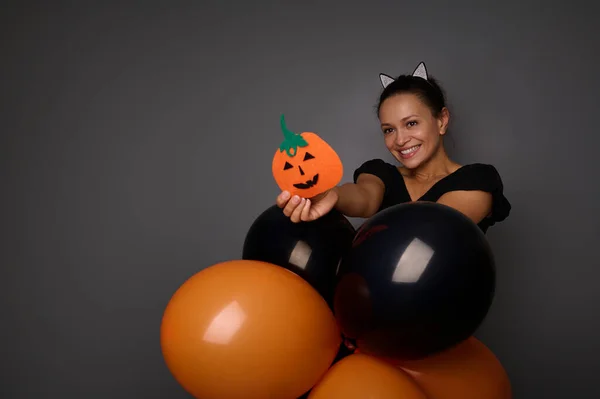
302,209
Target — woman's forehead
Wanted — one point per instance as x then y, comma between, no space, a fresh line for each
401,106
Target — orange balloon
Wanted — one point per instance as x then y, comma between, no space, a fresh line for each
248,329
360,376
467,371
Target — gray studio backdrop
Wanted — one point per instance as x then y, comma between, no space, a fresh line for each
136,148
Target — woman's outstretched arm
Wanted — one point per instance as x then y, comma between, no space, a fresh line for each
360,199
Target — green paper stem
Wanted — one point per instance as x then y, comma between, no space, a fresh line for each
291,140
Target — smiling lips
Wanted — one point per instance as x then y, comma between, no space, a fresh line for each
409,152
308,184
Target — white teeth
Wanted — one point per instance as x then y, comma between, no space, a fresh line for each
409,150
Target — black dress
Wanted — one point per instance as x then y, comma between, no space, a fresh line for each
475,176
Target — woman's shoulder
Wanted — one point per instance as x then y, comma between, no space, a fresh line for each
377,167
376,162
480,175
483,177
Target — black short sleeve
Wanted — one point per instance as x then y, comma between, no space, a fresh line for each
485,178
391,178
376,167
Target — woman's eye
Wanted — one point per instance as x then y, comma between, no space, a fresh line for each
411,123
388,130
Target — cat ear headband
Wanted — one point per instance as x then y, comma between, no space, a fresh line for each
420,72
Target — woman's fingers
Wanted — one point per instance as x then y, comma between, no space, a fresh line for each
301,209
291,206
296,214
305,215
283,198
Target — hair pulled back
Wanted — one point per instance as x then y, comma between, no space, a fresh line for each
428,91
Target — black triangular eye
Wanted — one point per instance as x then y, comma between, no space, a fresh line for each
287,166
308,156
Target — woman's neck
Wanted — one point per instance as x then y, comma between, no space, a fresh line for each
436,167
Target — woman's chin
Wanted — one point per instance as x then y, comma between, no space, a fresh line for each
414,161
409,163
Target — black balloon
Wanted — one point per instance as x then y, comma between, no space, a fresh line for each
419,279
312,250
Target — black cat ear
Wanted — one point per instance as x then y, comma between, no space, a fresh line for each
420,71
385,80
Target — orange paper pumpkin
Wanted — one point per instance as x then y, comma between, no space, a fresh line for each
305,165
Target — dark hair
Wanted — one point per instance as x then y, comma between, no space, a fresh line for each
428,91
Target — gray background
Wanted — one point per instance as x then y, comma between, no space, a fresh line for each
136,148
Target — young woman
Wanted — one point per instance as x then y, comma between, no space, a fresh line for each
414,119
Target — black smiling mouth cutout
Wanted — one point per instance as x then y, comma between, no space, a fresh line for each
308,184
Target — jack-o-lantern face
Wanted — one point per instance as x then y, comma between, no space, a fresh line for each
305,165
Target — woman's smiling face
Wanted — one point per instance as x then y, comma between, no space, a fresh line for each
412,133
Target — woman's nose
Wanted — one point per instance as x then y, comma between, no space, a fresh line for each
401,140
